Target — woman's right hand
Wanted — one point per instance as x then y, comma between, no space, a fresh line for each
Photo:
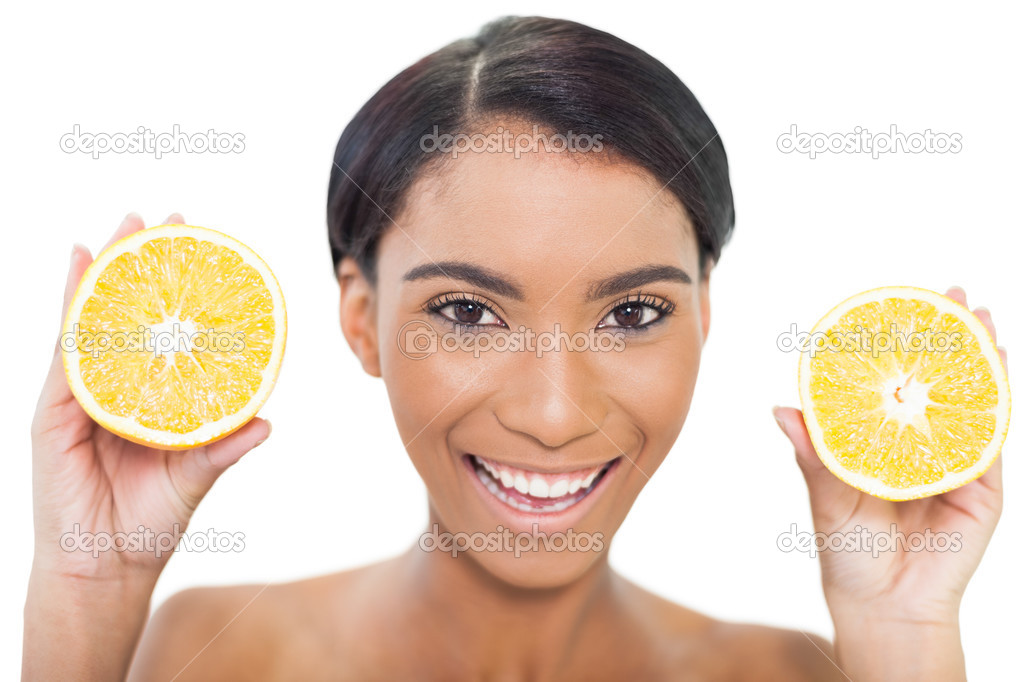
89,482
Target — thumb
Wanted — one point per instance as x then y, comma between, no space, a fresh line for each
832,500
56,390
197,470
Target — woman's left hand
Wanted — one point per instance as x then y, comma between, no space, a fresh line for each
895,609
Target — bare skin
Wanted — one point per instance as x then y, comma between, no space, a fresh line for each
373,633
551,227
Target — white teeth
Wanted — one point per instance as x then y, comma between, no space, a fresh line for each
521,484
501,481
539,488
558,489
500,494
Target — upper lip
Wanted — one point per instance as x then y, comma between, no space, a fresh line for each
549,471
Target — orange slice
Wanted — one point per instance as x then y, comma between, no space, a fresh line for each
903,393
175,336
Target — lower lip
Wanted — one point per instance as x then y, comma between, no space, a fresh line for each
525,520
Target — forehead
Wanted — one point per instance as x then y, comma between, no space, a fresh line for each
539,214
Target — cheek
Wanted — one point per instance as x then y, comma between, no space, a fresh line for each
428,394
672,393
654,384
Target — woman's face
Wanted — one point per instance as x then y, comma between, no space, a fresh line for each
544,251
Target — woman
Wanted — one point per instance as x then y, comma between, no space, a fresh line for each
540,176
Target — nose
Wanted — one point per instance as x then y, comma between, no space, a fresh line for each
555,398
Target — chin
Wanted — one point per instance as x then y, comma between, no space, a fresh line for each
536,570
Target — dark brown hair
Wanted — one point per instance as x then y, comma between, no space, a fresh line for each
558,74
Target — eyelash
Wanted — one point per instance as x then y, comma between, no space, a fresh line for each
662,306
439,304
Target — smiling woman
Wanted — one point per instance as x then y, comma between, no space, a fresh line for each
515,240
523,226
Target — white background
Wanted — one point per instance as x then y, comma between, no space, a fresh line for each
333,488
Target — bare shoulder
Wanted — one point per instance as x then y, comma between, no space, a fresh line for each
700,647
198,633
243,632
770,653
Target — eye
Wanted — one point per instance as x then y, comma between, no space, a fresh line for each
465,311
637,312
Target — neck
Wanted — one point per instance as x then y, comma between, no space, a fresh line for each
467,623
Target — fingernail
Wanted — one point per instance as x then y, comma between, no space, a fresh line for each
269,428
131,215
981,309
777,419
74,250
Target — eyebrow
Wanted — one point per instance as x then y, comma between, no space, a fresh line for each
491,281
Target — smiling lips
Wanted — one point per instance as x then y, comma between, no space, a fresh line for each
532,491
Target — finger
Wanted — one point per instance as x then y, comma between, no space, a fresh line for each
992,478
132,223
985,492
957,294
175,219
80,261
831,499
55,387
197,470
984,315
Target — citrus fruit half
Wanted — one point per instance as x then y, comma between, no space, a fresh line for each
174,336
903,393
